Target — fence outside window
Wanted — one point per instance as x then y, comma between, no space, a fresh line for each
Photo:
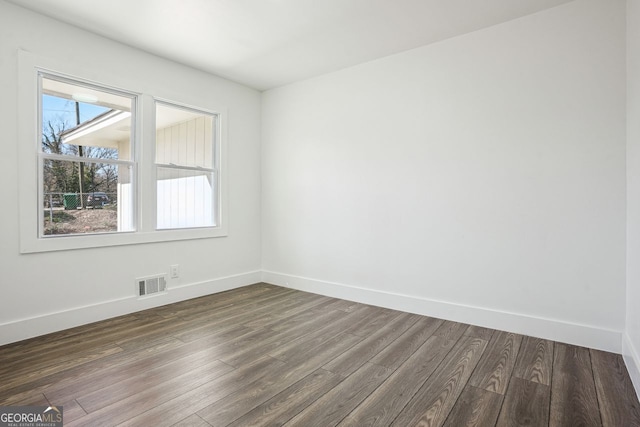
80,213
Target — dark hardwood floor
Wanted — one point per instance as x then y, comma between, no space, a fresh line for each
265,355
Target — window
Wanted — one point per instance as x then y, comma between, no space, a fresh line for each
86,163
104,163
186,167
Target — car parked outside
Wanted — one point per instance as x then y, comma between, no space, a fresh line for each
97,199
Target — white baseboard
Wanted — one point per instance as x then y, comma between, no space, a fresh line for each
583,335
570,333
52,322
632,360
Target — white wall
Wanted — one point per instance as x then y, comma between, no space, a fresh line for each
480,179
631,347
42,292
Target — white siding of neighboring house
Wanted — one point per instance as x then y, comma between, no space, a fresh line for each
125,191
184,197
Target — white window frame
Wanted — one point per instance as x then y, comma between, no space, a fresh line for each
29,188
133,163
215,170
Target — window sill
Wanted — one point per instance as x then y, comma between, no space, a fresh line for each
85,241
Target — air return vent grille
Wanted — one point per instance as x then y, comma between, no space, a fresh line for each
151,285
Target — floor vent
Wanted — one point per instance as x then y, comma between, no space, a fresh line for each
151,285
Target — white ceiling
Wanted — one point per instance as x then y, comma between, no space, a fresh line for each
269,43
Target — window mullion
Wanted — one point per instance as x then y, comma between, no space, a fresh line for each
146,165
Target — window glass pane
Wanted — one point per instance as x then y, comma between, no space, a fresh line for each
86,152
185,198
103,205
186,167
184,137
85,121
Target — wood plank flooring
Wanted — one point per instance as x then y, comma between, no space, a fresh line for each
265,355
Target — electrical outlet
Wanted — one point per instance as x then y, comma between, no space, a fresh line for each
175,271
